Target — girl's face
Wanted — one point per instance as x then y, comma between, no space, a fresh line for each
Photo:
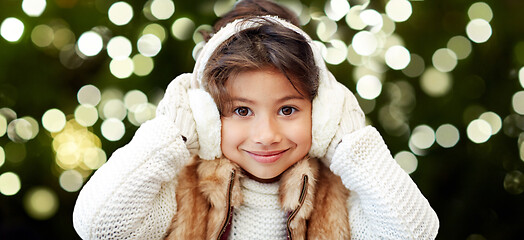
269,127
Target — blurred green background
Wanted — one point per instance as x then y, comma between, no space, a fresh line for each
443,81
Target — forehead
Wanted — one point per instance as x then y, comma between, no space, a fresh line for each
266,83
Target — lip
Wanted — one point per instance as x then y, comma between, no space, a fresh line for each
266,156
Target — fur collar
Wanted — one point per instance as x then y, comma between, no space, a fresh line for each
309,191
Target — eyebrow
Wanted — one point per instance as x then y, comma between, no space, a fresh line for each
283,99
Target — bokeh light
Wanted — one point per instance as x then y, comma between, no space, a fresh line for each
336,53
517,101
364,43
494,121
133,99
41,203
326,28
2,156
514,182
9,183
53,120
142,65
113,129
90,43
447,135
480,10
183,28
122,68
86,115
88,95
3,125
155,29
407,161
398,10
42,35
422,137
521,78
479,131
71,180
415,67
460,45
336,9
33,8
435,83
444,60
149,45
397,57
353,19
12,29
119,48
478,30
373,19
120,13
162,9
369,87
221,7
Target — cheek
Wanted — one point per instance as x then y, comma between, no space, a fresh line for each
230,135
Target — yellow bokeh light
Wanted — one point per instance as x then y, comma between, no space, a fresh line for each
480,10
119,48
155,29
122,68
407,161
353,58
41,203
53,120
336,9
479,131
521,80
86,115
162,9
133,99
113,129
9,184
336,53
33,8
12,29
364,43
369,87
114,108
143,112
399,10
415,67
518,102
197,36
42,35
149,45
326,28
397,57
435,83
2,156
494,121
23,129
71,180
3,125
353,19
460,45
183,28
94,157
221,7
88,95
143,65
120,13
478,30
90,43
444,60
447,135
422,137
63,37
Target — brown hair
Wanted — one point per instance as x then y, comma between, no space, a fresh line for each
270,45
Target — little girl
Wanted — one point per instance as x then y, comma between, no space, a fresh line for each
259,142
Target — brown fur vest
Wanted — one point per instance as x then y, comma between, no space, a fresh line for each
207,192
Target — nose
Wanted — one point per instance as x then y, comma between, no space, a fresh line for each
266,131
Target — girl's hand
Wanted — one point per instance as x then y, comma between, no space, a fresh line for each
175,106
352,119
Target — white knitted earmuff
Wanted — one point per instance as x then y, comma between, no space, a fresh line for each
327,105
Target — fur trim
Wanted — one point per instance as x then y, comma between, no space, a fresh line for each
327,105
208,124
202,195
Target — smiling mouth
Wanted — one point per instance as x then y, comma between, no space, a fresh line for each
266,156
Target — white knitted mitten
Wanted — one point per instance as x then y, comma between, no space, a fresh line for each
175,106
352,119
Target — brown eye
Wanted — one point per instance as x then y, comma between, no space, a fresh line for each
242,111
287,111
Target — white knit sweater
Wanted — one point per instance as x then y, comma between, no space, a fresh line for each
133,195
